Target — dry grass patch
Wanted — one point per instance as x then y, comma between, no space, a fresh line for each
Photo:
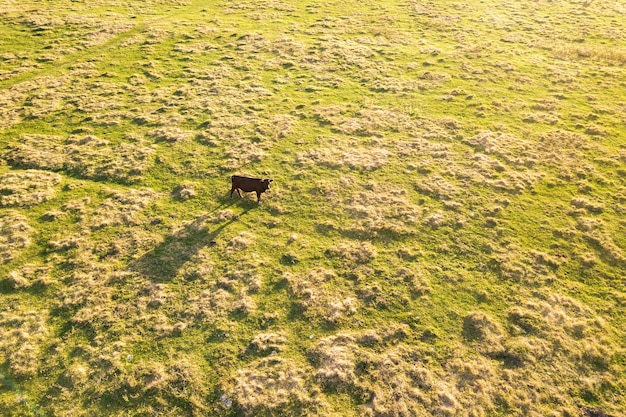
268,343
15,235
242,241
480,327
367,159
27,188
316,295
87,156
380,208
185,192
209,305
335,360
383,380
170,135
374,121
353,252
22,333
125,382
272,386
128,244
37,151
88,297
372,208
344,53
606,245
122,208
613,55
512,150
590,206
92,157
27,276
244,153
527,267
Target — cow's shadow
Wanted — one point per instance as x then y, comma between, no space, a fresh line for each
162,263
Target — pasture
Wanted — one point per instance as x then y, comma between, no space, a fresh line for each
444,233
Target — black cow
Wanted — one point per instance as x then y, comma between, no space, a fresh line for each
248,185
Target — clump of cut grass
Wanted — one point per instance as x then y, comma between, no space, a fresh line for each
27,188
15,233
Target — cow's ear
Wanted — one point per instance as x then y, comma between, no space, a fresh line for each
270,180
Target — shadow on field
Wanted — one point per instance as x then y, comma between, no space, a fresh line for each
162,263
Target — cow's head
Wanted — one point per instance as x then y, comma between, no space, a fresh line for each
266,183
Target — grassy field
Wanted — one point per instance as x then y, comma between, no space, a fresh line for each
444,235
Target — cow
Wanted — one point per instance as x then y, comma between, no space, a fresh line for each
248,185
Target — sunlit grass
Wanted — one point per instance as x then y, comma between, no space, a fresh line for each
443,235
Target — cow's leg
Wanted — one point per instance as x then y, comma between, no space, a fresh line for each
258,197
232,190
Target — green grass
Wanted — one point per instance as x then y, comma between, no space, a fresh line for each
443,236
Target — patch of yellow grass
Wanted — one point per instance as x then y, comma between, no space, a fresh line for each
88,156
27,188
21,336
274,386
15,235
610,54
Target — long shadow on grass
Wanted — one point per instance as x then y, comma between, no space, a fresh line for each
162,263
